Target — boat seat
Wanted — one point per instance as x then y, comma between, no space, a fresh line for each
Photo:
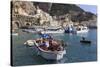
43,47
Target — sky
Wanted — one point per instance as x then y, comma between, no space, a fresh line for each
89,8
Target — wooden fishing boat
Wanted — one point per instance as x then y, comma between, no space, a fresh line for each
50,53
85,41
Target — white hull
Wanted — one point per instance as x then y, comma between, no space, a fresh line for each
29,31
15,34
62,31
29,43
52,55
39,30
82,31
49,55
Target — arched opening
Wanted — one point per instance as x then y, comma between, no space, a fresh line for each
16,25
27,24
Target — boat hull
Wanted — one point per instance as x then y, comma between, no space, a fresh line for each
68,31
29,43
29,31
14,34
85,41
50,55
52,31
82,31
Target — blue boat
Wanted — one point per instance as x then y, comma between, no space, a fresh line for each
70,29
45,36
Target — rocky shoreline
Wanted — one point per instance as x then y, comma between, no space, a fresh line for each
26,14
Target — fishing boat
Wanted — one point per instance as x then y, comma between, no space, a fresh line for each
50,54
55,51
85,41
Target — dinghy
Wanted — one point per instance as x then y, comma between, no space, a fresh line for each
48,49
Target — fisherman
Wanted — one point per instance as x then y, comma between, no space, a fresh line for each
43,46
47,43
43,43
50,45
83,38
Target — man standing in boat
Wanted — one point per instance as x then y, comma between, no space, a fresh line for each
83,38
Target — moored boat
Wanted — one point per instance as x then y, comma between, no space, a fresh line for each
50,54
14,34
82,29
29,30
53,31
85,41
57,30
29,43
49,49
69,29
76,29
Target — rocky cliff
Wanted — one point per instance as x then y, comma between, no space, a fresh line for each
74,12
50,12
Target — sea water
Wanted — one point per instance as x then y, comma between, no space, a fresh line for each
75,51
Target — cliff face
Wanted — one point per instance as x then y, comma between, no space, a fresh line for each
22,7
75,13
62,9
50,12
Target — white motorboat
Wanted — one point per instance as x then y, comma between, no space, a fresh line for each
39,29
46,53
29,43
52,31
14,34
59,30
82,29
29,30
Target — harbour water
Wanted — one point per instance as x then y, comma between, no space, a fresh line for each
75,51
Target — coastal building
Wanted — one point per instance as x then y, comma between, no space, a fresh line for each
22,18
26,14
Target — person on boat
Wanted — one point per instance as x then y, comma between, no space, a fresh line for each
43,45
51,47
47,43
83,38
